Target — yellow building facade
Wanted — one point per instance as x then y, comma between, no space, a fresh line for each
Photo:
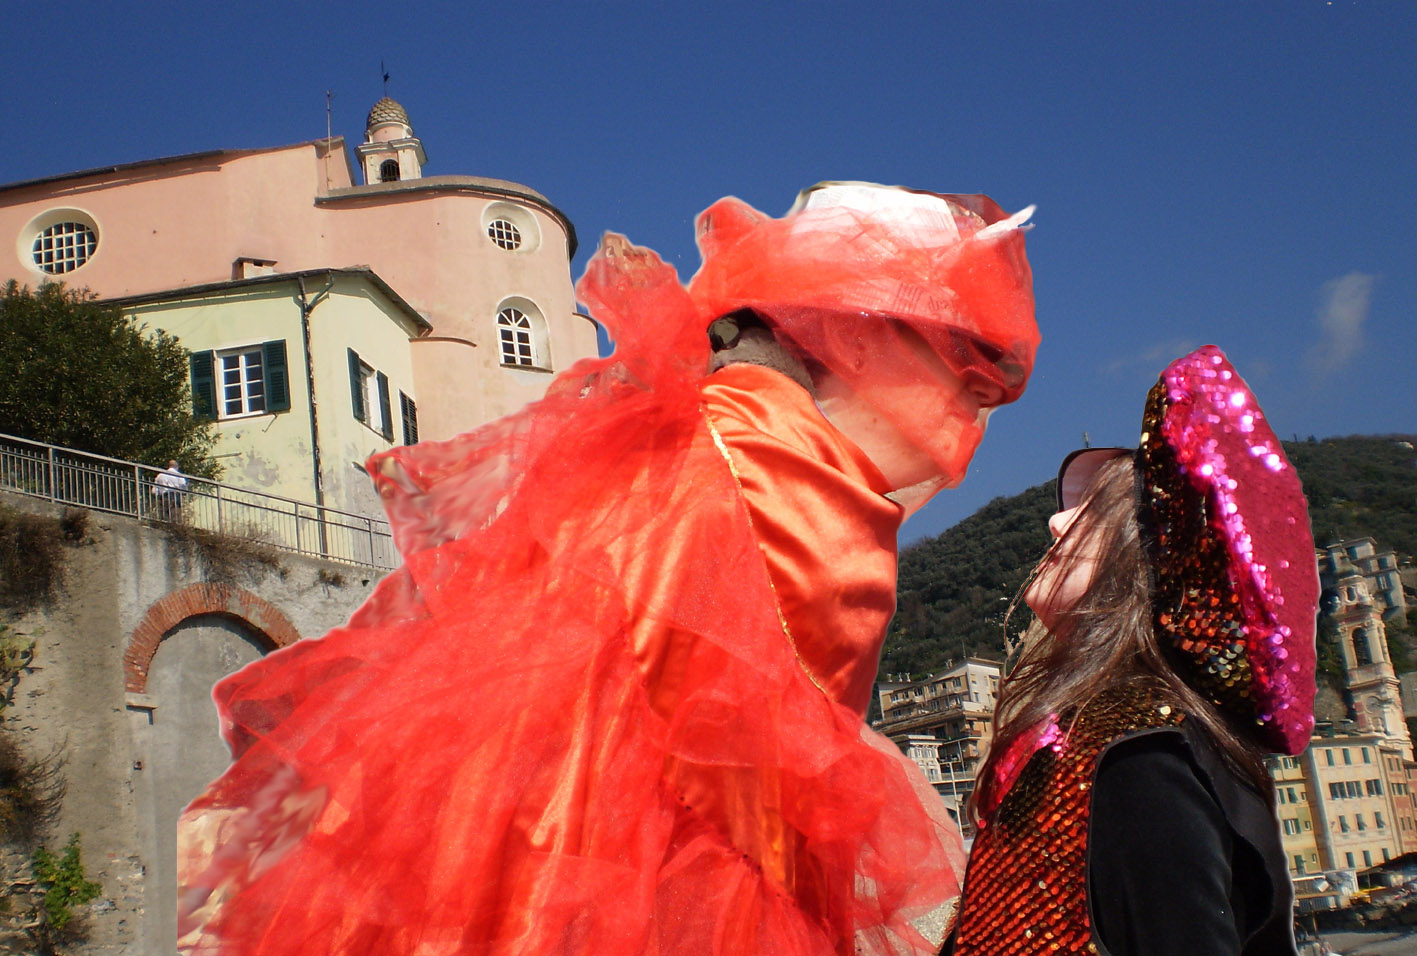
305,375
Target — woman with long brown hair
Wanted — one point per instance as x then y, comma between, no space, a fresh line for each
1124,806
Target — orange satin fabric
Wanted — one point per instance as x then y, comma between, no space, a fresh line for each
825,527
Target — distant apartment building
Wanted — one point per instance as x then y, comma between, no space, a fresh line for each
1352,784
453,289
1295,805
944,723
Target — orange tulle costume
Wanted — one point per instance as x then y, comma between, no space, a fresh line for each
612,702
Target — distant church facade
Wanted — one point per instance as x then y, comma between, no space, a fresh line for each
448,297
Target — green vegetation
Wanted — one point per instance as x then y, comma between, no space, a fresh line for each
40,890
954,588
82,375
63,882
1361,487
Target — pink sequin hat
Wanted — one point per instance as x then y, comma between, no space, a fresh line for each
1236,585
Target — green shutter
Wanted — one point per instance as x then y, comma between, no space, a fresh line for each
386,418
356,387
277,378
410,419
203,366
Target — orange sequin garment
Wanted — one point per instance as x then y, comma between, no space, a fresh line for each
1026,888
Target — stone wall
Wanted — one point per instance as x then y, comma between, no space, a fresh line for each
126,654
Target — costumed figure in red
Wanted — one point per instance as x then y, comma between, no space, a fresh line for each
613,701
1125,806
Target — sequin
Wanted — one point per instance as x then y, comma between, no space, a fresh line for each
1025,891
1231,547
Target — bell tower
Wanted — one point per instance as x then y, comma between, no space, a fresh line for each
390,152
1362,637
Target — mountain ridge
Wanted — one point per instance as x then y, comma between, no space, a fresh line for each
954,589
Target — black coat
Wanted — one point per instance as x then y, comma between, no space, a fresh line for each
1184,856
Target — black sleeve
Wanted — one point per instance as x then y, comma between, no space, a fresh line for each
1159,854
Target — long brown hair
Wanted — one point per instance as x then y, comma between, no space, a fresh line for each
1106,638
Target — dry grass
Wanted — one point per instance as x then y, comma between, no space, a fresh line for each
31,558
225,558
31,791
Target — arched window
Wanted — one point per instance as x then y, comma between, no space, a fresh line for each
521,335
1362,650
515,332
389,171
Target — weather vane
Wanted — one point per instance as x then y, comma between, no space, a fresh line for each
384,71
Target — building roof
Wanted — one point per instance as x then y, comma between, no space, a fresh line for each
213,288
216,156
456,184
213,158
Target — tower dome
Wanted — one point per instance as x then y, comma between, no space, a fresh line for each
390,152
388,110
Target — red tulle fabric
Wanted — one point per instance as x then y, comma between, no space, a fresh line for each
582,717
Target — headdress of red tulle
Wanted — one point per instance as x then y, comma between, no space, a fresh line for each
854,271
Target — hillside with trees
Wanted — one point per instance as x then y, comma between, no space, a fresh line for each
955,589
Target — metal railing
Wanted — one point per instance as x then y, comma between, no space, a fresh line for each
70,477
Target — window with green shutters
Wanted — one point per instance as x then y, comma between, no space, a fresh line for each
409,413
369,395
239,382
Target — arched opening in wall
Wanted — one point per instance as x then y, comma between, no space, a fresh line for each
179,747
389,171
522,340
1362,648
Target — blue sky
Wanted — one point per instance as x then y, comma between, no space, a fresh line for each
1230,172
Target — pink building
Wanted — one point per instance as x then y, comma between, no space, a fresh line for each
484,261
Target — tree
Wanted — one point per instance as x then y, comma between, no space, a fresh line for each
80,374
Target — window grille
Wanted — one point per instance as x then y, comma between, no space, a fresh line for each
389,171
514,332
64,247
243,383
504,233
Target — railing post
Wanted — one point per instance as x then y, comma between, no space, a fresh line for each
369,527
138,491
53,477
298,548
220,517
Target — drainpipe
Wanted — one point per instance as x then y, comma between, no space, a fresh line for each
307,305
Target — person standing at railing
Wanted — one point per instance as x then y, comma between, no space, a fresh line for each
168,488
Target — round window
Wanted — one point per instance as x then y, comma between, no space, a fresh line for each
511,227
64,246
505,233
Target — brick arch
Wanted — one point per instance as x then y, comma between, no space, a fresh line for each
204,598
